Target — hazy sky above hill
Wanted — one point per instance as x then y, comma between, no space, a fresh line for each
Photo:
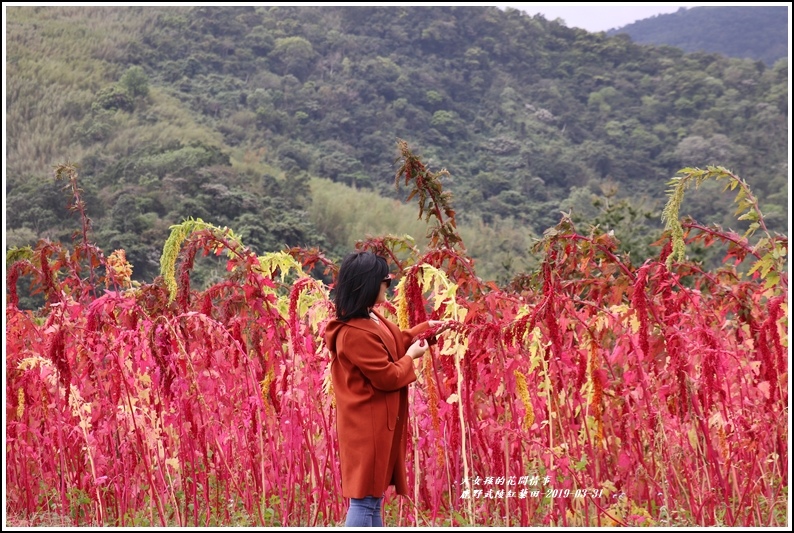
595,17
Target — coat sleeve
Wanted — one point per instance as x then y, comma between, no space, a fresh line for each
409,334
367,352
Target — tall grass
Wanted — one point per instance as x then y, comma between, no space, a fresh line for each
345,215
57,59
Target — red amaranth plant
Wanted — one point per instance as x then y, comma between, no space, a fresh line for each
640,303
165,405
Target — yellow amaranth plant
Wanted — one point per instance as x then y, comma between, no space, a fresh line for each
718,422
179,234
594,385
20,403
121,269
265,385
402,305
328,385
330,391
523,394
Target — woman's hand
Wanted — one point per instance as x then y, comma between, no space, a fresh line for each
417,349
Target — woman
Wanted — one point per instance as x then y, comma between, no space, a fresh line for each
370,371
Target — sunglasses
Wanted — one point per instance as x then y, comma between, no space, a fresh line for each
387,281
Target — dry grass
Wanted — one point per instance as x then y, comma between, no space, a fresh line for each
43,519
57,59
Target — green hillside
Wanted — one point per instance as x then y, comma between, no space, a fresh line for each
261,117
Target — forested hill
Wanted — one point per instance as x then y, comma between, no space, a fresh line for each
275,121
750,32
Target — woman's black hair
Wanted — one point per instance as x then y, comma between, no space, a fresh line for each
358,284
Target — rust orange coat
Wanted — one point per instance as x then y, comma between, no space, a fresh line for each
370,375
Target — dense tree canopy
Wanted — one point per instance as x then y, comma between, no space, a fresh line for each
226,114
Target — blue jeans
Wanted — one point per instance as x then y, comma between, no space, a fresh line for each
364,512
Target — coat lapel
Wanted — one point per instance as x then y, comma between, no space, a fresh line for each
389,339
